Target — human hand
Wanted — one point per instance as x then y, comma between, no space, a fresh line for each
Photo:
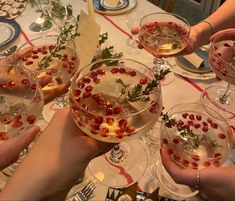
56,161
10,149
217,183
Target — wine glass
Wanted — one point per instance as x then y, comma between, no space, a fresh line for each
21,103
222,61
61,65
133,23
195,136
163,34
108,103
42,23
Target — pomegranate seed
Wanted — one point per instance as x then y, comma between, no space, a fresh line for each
65,55
6,120
80,85
109,120
65,65
88,88
204,123
59,80
94,132
93,74
35,56
122,124
64,59
216,163
71,63
185,162
176,141
164,141
185,115
31,119
43,51
186,126
98,119
29,62
132,73
222,136
205,129
25,59
54,70
51,47
39,49
86,94
190,123
214,125
73,58
206,163
134,30
227,45
104,130
170,151
35,52
109,111
11,83
143,81
86,80
25,81
3,134
195,157
96,80
209,121
122,70
16,124
117,110
76,92
100,101
44,47
114,70
197,126
218,155
153,110
100,72
176,157
198,117
191,116
33,87
168,125
95,127
180,122
48,72
130,129
194,164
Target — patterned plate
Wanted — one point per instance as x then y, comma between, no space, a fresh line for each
10,30
10,9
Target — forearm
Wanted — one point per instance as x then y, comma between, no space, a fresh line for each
222,18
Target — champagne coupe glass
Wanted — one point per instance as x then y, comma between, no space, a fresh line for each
61,67
106,103
163,34
195,136
21,103
41,23
222,61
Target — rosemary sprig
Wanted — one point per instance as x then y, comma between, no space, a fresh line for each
193,140
139,93
67,34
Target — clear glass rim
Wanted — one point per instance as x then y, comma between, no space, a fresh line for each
113,59
169,14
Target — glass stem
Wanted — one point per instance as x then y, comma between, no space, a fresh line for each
158,62
224,99
117,153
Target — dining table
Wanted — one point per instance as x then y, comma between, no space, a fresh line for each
185,87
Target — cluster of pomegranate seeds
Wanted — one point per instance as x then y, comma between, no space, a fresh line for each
3,136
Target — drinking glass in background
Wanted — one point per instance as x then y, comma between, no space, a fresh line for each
133,23
195,136
106,104
163,34
61,66
222,61
42,23
21,104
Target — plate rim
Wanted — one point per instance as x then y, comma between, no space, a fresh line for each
16,31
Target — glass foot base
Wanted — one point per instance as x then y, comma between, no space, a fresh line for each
181,191
211,98
38,27
122,173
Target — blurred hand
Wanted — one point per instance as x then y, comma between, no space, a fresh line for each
10,149
217,183
56,161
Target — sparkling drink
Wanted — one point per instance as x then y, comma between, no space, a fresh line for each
222,60
100,106
21,102
194,138
163,37
61,68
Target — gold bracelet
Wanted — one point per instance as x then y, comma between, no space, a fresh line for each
197,184
210,25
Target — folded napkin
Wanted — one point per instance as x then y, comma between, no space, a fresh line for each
129,193
194,59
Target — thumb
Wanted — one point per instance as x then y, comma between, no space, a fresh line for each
10,149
